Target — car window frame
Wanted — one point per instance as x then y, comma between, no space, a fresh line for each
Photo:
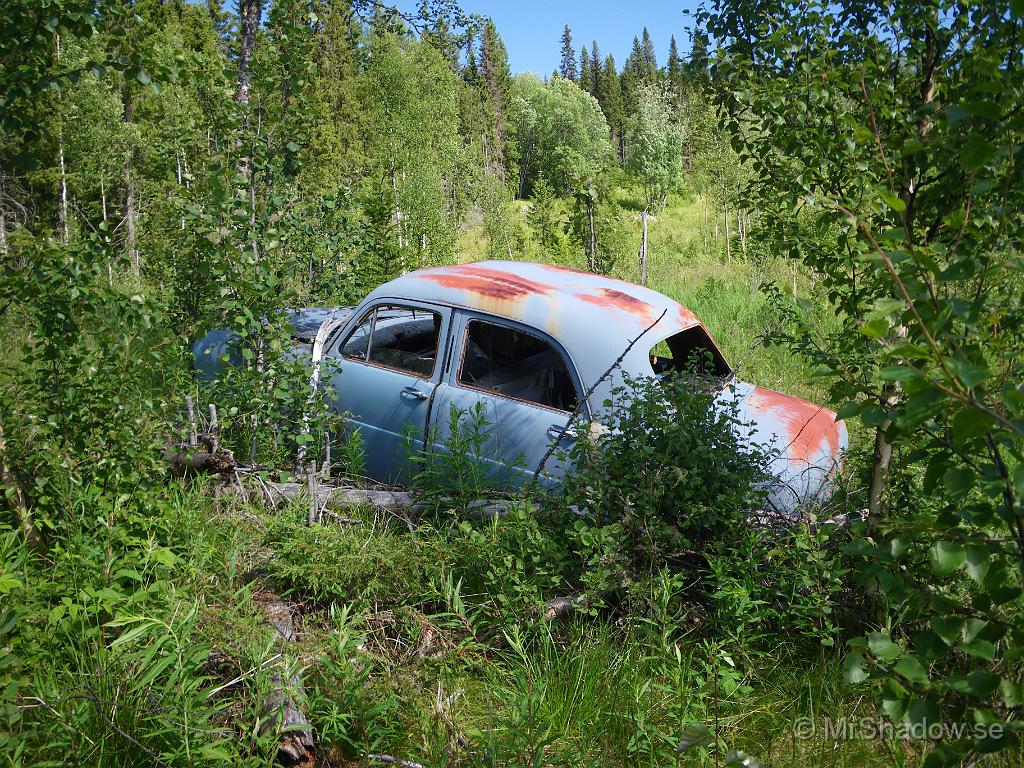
443,332
455,372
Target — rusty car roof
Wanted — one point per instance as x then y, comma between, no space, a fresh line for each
557,299
593,317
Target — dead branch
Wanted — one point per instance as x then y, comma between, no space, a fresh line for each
282,494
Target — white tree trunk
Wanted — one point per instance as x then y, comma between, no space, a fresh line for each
728,252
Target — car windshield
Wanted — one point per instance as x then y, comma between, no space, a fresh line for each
689,351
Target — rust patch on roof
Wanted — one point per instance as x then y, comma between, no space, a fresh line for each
686,318
488,283
805,429
615,299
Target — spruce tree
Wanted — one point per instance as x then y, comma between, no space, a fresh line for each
496,80
648,58
675,68
609,96
585,81
698,64
595,68
567,68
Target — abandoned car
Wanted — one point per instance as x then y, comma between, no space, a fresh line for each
525,343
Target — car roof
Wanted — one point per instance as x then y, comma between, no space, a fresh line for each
595,318
559,300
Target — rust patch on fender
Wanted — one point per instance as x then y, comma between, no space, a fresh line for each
804,427
611,298
488,283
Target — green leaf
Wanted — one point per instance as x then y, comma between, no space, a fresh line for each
976,152
978,558
967,373
946,557
874,329
982,649
1013,693
848,409
910,668
921,407
883,648
958,480
853,668
694,735
892,200
899,373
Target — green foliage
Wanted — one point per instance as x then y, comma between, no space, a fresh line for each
655,144
911,190
668,473
561,132
364,564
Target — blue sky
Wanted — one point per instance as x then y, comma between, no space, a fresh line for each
532,29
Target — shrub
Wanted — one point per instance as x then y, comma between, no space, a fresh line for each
668,476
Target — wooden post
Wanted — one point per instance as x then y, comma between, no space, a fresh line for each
214,430
314,507
643,249
741,221
193,437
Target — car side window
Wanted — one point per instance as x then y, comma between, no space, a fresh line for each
392,336
516,364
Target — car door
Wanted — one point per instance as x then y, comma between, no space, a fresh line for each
387,367
526,388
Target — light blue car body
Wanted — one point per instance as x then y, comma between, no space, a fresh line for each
603,329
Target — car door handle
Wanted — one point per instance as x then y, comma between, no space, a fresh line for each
557,431
414,393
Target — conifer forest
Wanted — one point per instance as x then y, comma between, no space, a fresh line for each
200,562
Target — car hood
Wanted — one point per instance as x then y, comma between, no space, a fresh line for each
805,442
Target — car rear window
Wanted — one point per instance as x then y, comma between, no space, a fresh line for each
689,351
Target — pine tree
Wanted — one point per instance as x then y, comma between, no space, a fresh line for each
585,81
568,65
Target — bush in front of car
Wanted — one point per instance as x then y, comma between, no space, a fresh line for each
667,487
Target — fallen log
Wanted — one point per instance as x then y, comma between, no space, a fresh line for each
282,494
188,462
296,744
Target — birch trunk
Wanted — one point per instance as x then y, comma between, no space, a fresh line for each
728,252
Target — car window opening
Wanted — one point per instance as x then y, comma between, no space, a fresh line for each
396,337
516,364
689,351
